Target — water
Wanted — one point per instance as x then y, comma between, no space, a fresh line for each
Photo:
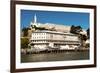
83,55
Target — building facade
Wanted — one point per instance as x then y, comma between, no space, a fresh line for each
53,39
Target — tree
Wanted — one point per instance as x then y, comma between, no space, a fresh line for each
78,29
83,37
75,29
72,29
25,31
24,42
38,28
88,33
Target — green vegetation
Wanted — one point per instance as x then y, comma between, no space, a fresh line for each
39,28
82,37
87,45
76,29
24,42
88,33
25,32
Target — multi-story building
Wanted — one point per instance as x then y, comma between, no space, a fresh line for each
45,38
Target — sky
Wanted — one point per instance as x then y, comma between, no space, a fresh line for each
63,18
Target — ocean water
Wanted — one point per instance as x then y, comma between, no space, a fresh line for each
45,57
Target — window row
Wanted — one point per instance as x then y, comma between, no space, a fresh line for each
39,34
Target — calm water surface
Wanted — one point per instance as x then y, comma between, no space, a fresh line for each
55,56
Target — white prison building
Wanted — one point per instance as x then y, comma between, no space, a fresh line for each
45,38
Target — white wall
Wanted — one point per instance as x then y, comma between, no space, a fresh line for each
5,36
